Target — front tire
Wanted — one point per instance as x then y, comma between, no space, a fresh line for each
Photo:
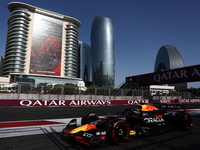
117,131
184,120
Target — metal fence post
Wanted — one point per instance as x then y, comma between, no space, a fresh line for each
79,92
42,91
109,94
62,91
95,93
122,94
142,94
19,91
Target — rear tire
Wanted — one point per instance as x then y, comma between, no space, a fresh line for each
183,121
117,131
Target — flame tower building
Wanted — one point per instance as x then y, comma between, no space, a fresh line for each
103,52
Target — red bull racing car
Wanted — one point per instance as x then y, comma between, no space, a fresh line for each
143,121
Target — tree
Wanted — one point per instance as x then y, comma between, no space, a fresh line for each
57,89
42,88
91,89
70,88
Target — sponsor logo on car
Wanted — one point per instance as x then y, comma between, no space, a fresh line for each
101,133
153,120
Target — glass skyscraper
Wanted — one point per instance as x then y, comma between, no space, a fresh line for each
84,59
103,52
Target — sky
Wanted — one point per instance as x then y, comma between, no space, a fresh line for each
141,27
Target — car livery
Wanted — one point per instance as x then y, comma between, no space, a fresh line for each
143,121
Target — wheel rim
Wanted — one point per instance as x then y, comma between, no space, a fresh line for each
188,122
121,133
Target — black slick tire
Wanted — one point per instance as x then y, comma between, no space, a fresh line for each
117,131
183,121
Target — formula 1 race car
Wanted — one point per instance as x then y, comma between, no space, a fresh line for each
143,121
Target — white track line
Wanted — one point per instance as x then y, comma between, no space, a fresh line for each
34,130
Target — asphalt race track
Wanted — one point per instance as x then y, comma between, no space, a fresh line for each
17,130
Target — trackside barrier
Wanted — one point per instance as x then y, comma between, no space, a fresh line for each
60,92
64,97
66,103
79,97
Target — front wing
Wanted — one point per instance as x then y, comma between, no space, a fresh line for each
86,134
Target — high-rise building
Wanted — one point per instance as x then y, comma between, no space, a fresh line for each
41,45
84,60
1,66
103,51
168,58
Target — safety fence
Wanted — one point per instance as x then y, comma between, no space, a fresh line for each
74,93
59,95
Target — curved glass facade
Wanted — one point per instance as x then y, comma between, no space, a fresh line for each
71,49
83,65
15,54
168,57
103,52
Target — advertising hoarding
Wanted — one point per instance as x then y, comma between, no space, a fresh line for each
46,45
185,74
66,103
